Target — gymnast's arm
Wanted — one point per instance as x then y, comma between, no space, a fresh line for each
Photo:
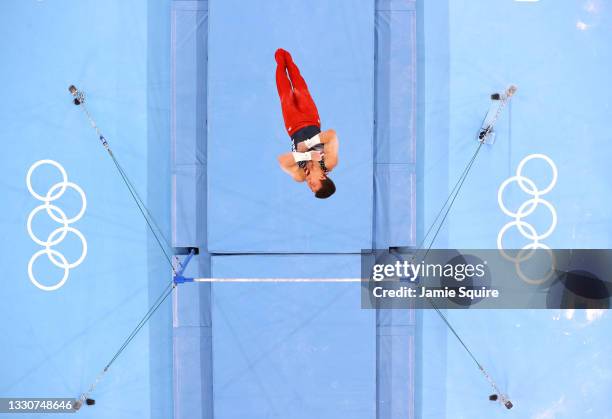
329,139
290,166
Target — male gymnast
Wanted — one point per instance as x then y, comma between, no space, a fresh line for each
315,152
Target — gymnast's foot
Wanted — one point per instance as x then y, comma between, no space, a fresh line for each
288,57
279,56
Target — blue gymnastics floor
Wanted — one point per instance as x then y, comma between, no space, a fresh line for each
54,343
552,362
184,91
250,208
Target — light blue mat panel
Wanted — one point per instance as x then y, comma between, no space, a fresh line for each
396,369
189,40
55,343
193,385
293,351
395,124
252,205
395,196
549,362
192,334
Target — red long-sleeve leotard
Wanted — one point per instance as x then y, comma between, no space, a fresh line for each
299,110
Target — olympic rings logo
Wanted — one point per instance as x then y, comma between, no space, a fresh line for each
59,216
525,209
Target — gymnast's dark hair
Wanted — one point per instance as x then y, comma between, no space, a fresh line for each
327,189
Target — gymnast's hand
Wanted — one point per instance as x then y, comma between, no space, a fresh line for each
315,155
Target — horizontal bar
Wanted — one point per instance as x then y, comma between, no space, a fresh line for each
285,280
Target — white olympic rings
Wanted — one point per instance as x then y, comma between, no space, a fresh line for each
59,216
527,230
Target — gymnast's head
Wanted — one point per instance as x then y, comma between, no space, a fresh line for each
327,189
322,186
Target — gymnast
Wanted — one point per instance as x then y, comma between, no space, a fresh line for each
315,152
